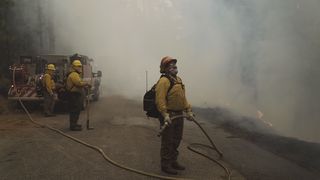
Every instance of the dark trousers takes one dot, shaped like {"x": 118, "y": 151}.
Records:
{"x": 170, "y": 141}
{"x": 75, "y": 107}
{"x": 48, "y": 104}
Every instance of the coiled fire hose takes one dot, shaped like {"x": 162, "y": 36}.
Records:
{"x": 213, "y": 146}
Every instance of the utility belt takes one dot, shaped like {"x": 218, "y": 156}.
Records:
{"x": 73, "y": 95}
{"x": 174, "y": 113}
{"x": 74, "y": 92}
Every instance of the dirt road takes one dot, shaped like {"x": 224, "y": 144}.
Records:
{"x": 128, "y": 137}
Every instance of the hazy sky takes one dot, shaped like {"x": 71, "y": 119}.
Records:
{"x": 246, "y": 55}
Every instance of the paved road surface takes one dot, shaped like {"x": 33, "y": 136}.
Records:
{"x": 122, "y": 131}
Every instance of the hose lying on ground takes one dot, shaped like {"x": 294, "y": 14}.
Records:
{"x": 108, "y": 159}
{"x": 213, "y": 146}
{"x": 96, "y": 148}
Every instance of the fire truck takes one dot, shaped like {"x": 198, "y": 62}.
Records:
{"x": 28, "y": 73}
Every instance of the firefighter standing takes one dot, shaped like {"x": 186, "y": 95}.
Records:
{"x": 169, "y": 104}
{"x": 48, "y": 90}
{"x": 75, "y": 86}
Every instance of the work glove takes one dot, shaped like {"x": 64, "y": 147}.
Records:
{"x": 56, "y": 96}
{"x": 167, "y": 119}
{"x": 87, "y": 87}
{"x": 190, "y": 116}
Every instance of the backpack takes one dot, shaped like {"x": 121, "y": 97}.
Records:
{"x": 39, "y": 84}
{"x": 149, "y": 100}
{"x": 64, "y": 93}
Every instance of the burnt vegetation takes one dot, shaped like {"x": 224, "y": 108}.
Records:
{"x": 306, "y": 154}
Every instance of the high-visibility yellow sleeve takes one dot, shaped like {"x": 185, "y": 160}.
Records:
{"x": 48, "y": 83}
{"x": 162, "y": 88}
{"x": 188, "y": 106}
{"x": 76, "y": 80}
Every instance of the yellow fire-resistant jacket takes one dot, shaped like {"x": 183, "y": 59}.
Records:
{"x": 175, "y": 99}
{"x": 48, "y": 83}
{"x": 74, "y": 82}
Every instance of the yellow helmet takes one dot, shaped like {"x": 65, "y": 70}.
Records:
{"x": 76, "y": 63}
{"x": 51, "y": 67}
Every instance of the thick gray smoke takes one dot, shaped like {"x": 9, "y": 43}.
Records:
{"x": 246, "y": 55}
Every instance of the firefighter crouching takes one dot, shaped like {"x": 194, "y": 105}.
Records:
{"x": 75, "y": 86}
{"x": 48, "y": 90}
{"x": 171, "y": 104}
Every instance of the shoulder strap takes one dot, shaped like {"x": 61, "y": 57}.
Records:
{"x": 43, "y": 80}
{"x": 171, "y": 82}
{"x": 67, "y": 80}
{"x": 180, "y": 82}
{"x": 70, "y": 73}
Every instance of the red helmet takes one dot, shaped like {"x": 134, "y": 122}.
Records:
{"x": 165, "y": 61}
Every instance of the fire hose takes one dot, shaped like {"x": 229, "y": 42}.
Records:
{"x": 96, "y": 148}
{"x": 213, "y": 146}
{"x": 108, "y": 159}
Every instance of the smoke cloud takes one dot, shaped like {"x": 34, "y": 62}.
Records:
{"x": 245, "y": 55}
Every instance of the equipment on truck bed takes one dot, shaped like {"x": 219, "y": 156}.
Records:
{"x": 27, "y": 76}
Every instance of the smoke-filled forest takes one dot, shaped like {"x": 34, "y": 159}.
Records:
{"x": 255, "y": 58}
{"x": 76, "y": 96}
{"x": 24, "y": 30}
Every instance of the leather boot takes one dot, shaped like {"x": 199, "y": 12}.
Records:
{"x": 73, "y": 123}
{"x": 76, "y": 128}
{"x": 169, "y": 170}
{"x": 177, "y": 166}
{"x": 49, "y": 115}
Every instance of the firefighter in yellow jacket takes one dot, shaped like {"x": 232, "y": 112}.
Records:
{"x": 169, "y": 104}
{"x": 75, "y": 86}
{"x": 48, "y": 90}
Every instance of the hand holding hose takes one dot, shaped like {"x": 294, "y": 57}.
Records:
{"x": 88, "y": 86}
{"x": 190, "y": 116}
{"x": 167, "y": 122}
{"x": 167, "y": 119}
